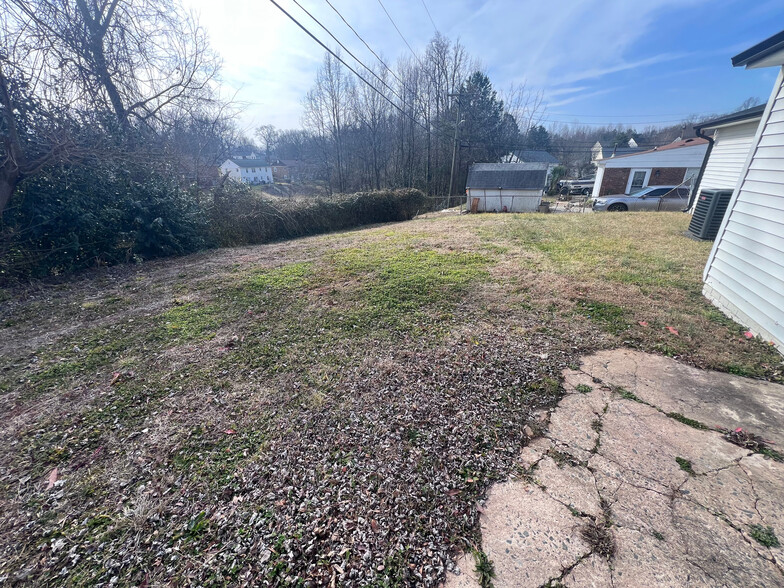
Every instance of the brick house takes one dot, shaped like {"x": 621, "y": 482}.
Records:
{"x": 670, "y": 164}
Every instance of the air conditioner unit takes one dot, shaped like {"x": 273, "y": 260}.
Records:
{"x": 708, "y": 213}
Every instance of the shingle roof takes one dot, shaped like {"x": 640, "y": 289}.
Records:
{"x": 674, "y": 145}
{"x": 249, "y": 162}
{"x": 507, "y": 176}
{"x": 532, "y": 156}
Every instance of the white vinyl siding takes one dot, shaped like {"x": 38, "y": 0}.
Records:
{"x": 515, "y": 200}
{"x": 729, "y": 154}
{"x": 745, "y": 273}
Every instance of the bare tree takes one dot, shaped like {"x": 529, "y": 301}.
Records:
{"x": 268, "y": 135}
{"x": 122, "y": 67}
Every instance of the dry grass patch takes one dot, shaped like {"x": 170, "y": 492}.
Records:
{"x": 324, "y": 410}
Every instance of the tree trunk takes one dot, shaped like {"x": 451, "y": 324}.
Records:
{"x": 7, "y": 187}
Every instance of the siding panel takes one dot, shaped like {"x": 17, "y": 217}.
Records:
{"x": 745, "y": 273}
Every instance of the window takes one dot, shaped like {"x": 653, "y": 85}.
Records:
{"x": 679, "y": 193}
{"x": 658, "y": 192}
{"x": 638, "y": 178}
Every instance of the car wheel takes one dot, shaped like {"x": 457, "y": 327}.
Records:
{"x": 564, "y": 191}
{"x": 617, "y": 207}
{"x": 586, "y": 191}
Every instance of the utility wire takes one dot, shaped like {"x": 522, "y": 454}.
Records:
{"x": 353, "y": 30}
{"x": 398, "y": 30}
{"x": 347, "y": 50}
{"x": 336, "y": 56}
{"x": 430, "y": 17}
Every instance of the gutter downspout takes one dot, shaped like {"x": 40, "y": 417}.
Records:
{"x": 698, "y": 180}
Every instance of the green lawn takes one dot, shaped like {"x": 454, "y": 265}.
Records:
{"x": 323, "y": 409}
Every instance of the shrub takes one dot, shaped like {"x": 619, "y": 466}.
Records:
{"x": 69, "y": 218}
{"x": 240, "y": 216}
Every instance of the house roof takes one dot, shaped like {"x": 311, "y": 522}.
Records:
{"x": 533, "y": 156}
{"x": 249, "y": 162}
{"x": 507, "y": 176}
{"x": 674, "y": 145}
{"x": 743, "y": 115}
{"x": 752, "y": 56}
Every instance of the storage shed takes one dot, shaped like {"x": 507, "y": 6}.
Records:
{"x": 661, "y": 166}
{"x": 744, "y": 275}
{"x": 731, "y": 139}
{"x": 506, "y": 187}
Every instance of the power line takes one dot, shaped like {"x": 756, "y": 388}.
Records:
{"x": 347, "y": 50}
{"x": 430, "y": 17}
{"x": 398, "y": 30}
{"x": 364, "y": 42}
{"x": 336, "y": 56}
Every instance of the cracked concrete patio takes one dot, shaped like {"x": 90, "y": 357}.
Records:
{"x": 678, "y": 505}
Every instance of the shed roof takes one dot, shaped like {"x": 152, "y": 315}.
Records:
{"x": 743, "y": 115}
{"x": 534, "y": 156}
{"x": 507, "y": 176}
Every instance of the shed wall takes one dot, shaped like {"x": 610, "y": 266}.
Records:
{"x": 745, "y": 272}
{"x": 514, "y": 200}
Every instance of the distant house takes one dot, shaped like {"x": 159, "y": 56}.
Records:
{"x": 744, "y": 275}
{"x": 506, "y": 187}
{"x": 731, "y": 139}
{"x": 280, "y": 171}
{"x": 670, "y": 164}
{"x": 598, "y": 151}
{"x": 249, "y": 171}
{"x": 244, "y": 152}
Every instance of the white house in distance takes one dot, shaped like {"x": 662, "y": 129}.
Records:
{"x": 249, "y": 171}
{"x": 506, "y": 187}
{"x": 744, "y": 275}
{"x": 669, "y": 165}
{"x": 730, "y": 137}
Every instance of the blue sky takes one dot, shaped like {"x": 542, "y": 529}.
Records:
{"x": 595, "y": 61}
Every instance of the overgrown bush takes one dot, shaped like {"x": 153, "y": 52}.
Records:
{"x": 69, "y": 218}
{"x": 240, "y": 216}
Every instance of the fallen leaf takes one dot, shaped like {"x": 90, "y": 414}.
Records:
{"x": 672, "y": 330}
{"x": 115, "y": 378}
{"x": 374, "y": 525}
{"x": 642, "y": 323}
{"x": 453, "y": 492}
{"x": 230, "y": 431}
{"x": 748, "y": 335}
{"x": 52, "y": 479}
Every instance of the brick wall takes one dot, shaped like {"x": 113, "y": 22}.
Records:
{"x": 616, "y": 178}
{"x": 667, "y": 176}
{"x": 614, "y": 181}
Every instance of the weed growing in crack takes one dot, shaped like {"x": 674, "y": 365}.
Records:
{"x": 484, "y": 569}
{"x": 764, "y": 535}
{"x": 626, "y": 395}
{"x": 561, "y": 458}
{"x": 687, "y": 421}
{"x": 657, "y": 535}
{"x": 596, "y": 425}
{"x": 583, "y": 388}
{"x": 599, "y": 537}
{"x": 685, "y": 465}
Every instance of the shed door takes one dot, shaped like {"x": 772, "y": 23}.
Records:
{"x": 638, "y": 179}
